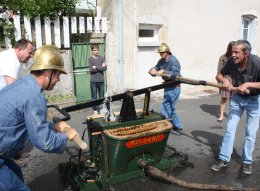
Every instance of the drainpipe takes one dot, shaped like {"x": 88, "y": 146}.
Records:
{"x": 121, "y": 51}
{"x": 134, "y": 44}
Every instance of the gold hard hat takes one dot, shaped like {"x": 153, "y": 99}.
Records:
{"x": 163, "y": 48}
{"x": 48, "y": 57}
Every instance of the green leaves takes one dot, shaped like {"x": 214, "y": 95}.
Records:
{"x": 35, "y": 8}
{"x": 6, "y": 30}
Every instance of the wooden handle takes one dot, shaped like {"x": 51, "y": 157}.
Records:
{"x": 76, "y": 139}
{"x": 83, "y": 145}
{"x": 200, "y": 82}
{"x": 233, "y": 89}
{"x": 96, "y": 133}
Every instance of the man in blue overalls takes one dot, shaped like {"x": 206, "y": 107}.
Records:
{"x": 23, "y": 117}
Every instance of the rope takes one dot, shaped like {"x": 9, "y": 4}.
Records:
{"x": 139, "y": 130}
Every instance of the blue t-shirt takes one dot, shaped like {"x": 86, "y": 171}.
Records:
{"x": 170, "y": 66}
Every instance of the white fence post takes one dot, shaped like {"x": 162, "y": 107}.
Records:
{"x": 47, "y": 29}
{"x": 28, "y": 28}
{"x": 66, "y": 32}
{"x": 97, "y": 25}
{"x": 38, "y": 32}
{"x": 73, "y": 25}
{"x": 89, "y": 24}
{"x": 57, "y": 32}
{"x": 104, "y": 24}
{"x": 17, "y": 25}
{"x": 84, "y": 24}
{"x": 81, "y": 25}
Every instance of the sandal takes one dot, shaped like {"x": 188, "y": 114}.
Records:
{"x": 220, "y": 119}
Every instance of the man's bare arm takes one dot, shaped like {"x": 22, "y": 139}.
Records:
{"x": 227, "y": 85}
{"x": 248, "y": 85}
{"x": 9, "y": 80}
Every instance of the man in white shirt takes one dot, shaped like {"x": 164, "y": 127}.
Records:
{"x": 9, "y": 67}
{"x": 10, "y": 61}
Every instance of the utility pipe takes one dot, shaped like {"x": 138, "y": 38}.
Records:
{"x": 121, "y": 51}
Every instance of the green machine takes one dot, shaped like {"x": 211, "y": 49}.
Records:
{"x": 118, "y": 146}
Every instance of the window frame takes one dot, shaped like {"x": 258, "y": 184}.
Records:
{"x": 250, "y": 29}
{"x": 154, "y": 28}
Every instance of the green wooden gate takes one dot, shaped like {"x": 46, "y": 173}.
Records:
{"x": 80, "y": 54}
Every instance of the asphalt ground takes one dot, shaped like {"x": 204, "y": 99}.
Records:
{"x": 200, "y": 141}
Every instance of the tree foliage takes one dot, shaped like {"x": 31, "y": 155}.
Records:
{"x": 35, "y": 8}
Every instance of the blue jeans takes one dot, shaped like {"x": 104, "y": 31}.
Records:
{"x": 168, "y": 107}
{"x": 11, "y": 177}
{"x": 97, "y": 91}
{"x": 238, "y": 104}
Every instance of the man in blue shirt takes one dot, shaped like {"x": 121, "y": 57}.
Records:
{"x": 23, "y": 109}
{"x": 169, "y": 64}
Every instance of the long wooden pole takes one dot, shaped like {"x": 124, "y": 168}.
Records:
{"x": 199, "y": 82}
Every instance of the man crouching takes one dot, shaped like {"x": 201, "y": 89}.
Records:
{"x": 23, "y": 109}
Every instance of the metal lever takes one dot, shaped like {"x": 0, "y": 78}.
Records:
{"x": 62, "y": 111}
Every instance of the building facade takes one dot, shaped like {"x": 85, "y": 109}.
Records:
{"x": 197, "y": 32}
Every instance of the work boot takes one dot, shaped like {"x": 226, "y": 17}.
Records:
{"x": 218, "y": 165}
{"x": 246, "y": 168}
{"x": 21, "y": 162}
{"x": 176, "y": 129}
{"x": 22, "y": 155}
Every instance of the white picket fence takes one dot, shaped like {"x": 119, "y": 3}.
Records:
{"x": 48, "y": 33}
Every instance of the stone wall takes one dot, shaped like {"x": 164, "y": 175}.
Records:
{"x": 66, "y": 85}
